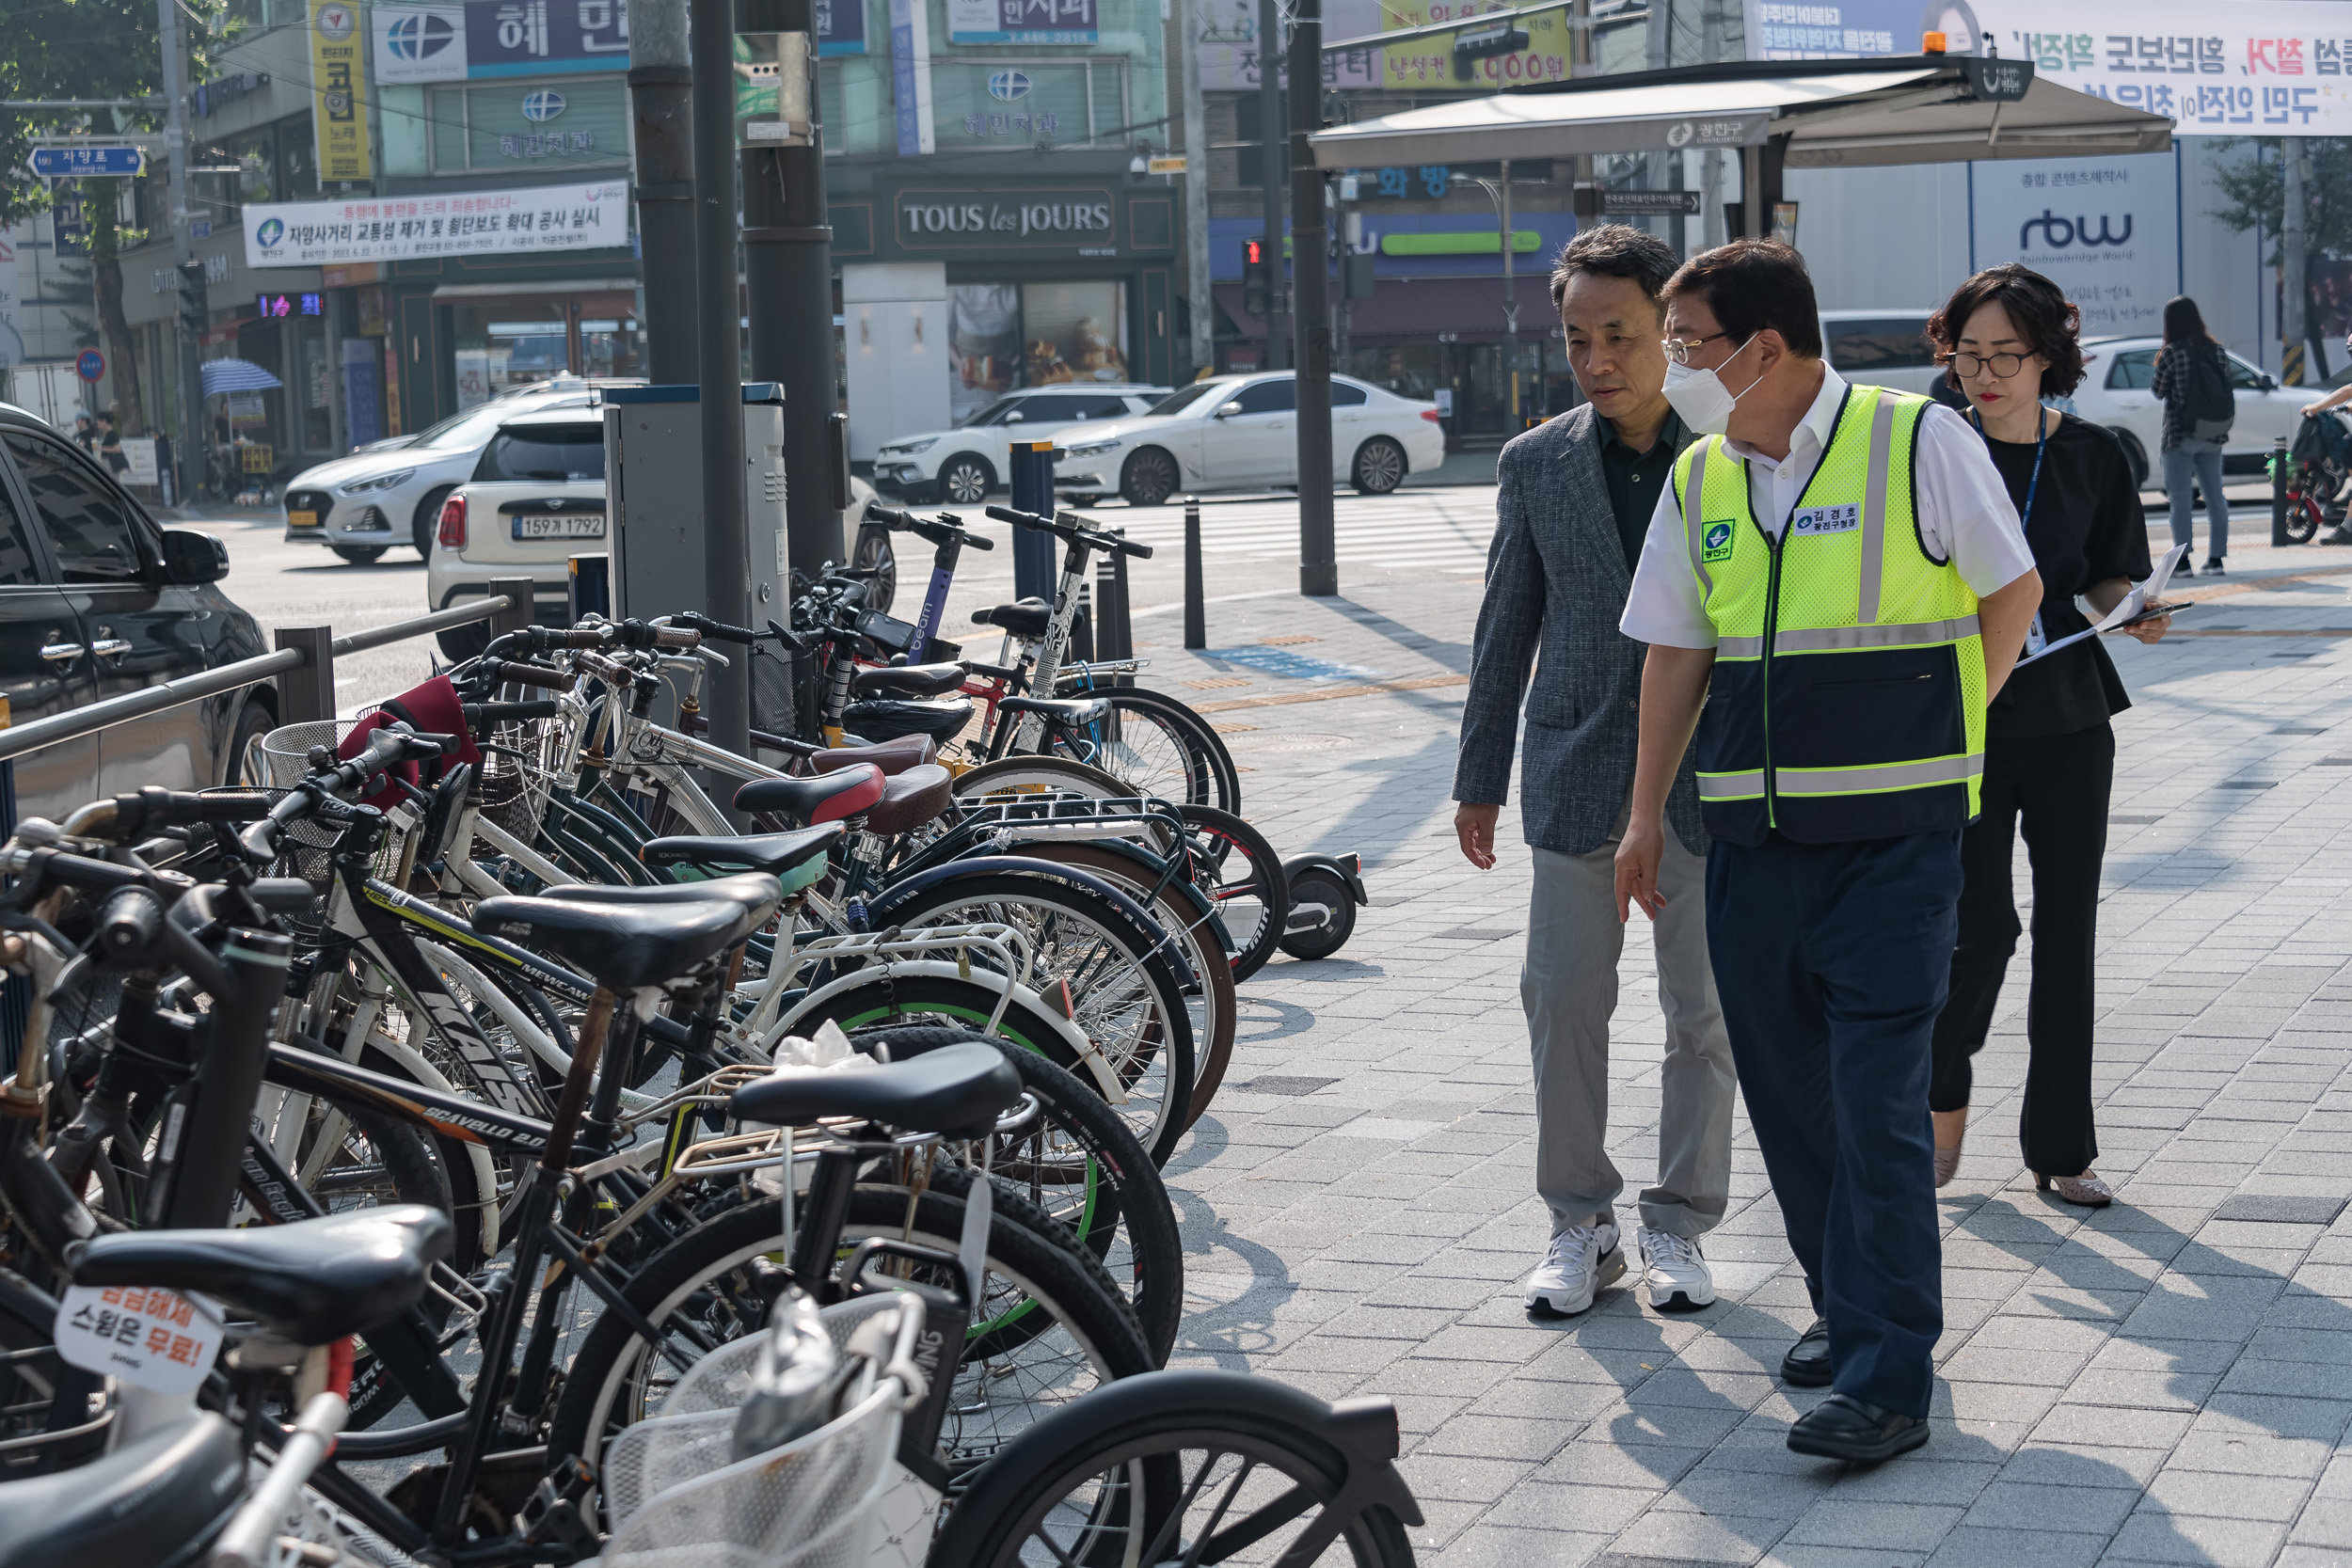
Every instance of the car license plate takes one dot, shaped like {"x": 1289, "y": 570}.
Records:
{"x": 582, "y": 527}
{"x": 302, "y": 519}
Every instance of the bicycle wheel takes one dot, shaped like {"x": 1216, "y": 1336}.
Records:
{"x": 1188, "y": 917}
{"x": 1237, "y": 868}
{"x": 1081, "y": 1165}
{"x": 708, "y": 1283}
{"x": 1236, "y": 1469}
{"x": 1095, "y": 953}
{"x": 1158, "y": 747}
{"x": 1014, "y": 778}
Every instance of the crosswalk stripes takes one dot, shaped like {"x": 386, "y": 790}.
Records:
{"x": 1432, "y": 528}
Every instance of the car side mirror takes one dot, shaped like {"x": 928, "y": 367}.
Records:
{"x": 1228, "y": 411}
{"x": 2268, "y": 382}
{"x": 191, "y": 558}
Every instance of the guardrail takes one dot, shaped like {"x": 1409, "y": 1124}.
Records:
{"x": 303, "y": 666}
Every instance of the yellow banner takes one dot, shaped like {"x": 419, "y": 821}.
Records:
{"x": 339, "y": 87}
{"x": 1428, "y": 62}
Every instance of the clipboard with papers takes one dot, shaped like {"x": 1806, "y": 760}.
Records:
{"x": 2131, "y": 609}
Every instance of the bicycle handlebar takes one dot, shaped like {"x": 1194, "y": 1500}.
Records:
{"x": 490, "y": 673}
{"x": 482, "y": 716}
{"x": 696, "y": 621}
{"x": 1093, "y": 538}
{"x": 938, "y": 530}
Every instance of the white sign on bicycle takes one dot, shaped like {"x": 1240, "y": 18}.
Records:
{"x": 151, "y": 1337}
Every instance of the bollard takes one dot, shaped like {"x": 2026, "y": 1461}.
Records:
{"x": 306, "y": 695}
{"x": 2278, "y": 493}
{"x": 1114, "y": 636}
{"x": 1032, "y": 482}
{"x": 1196, "y": 611}
{"x": 590, "y": 585}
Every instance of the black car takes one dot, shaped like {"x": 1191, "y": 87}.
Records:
{"x": 97, "y": 600}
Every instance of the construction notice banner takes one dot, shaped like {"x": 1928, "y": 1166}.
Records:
{"x": 405, "y": 228}
{"x": 2251, "y": 68}
{"x": 337, "y": 86}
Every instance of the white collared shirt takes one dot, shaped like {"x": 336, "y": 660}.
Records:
{"x": 1966, "y": 516}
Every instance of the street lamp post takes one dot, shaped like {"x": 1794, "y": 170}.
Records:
{"x": 1499, "y": 192}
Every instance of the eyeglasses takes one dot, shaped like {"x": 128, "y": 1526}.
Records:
{"x": 1678, "y": 349}
{"x": 2003, "y": 366}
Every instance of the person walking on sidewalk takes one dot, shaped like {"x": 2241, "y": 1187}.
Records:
{"x": 2193, "y": 383}
{"x": 1574, "y": 500}
{"x": 1837, "y": 577}
{"x": 2011, "y": 339}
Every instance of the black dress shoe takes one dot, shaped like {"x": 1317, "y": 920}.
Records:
{"x": 1806, "y": 1365}
{"x": 1843, "y": 1427}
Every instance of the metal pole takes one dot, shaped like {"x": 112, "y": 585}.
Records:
{"x": 1196, "y": 609}
{"x": 1271, "y": 164}
{"x": 1196, "y": 128}
{"x": 2277, "y": 494}
{"x": 787, "y": 265}
{"x": 183, "y": 447}
{"x": 307, "y": 695}
{"x": 718, "y": 348}
{"x": 1318, "y": 564}
{"x": 662, "y": 100}
{"x": 1510, "y": 292}
{"x": 2294, "y": 254}
{"x": 1712, "y": 162}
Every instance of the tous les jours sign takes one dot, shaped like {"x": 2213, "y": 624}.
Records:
{"x": 929, "y": 219}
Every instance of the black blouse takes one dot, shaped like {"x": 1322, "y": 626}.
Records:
{"x": 2087, "y": 527}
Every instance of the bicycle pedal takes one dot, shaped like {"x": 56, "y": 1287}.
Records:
{"x": 553, "y": 1515}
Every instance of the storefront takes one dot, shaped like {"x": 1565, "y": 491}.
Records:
{"x": 1030, "y": 282}
{"x": 461, "y": 330}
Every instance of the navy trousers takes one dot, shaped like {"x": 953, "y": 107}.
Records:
{"x": 1832, "y": 961}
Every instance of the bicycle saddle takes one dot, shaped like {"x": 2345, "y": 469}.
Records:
{"x": 312, "y": 1281}
{"x": 753, "y": 890}
{"x": 622, "y": 945}
{"x": 889, "y": 718}
{"x": 891, "y": 756}
{"x": 1060, "y": 710}
{"x": 910, "y": 800}
{"x": 1023, "y": 618}
{"x": 771, "y": 856}
{"x": 955, "y": 1091}
{"x": 907, "y": 680}
{"x": 826, "y": 798}
{"x": 147, "y": 1501}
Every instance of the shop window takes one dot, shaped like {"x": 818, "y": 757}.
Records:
{"x": 610, "y": 345}
{"x": 512, "y": 127}
{"x": 504, "y": 346}
{"x": 1007, "y": 336}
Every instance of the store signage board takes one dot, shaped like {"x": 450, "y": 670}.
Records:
{"x": 967, "y": 219}
{"x": 2104, "y": 230}
{"x": 1230, "y": 53}
{"x": 840, "y": 27}
{"x": 87, "y": 161}
{"x": 499, "y": 38}
{"x": 339, "y": 87}
{"x": 543, "y": 218}
{"x": 1022, "y": 21}
{"x": 2251, "y": 68}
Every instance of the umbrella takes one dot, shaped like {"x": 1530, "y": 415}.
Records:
{"x": 237, "y": 375}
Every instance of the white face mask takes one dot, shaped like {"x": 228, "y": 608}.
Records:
{"x": 1701, "y": 399}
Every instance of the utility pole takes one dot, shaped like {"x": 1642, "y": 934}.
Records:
{"x": 787, "y": 271}
{"x": 1510, "y": 292}
{"x": 1196, "y": 124}
{"x": 1271, "y": 163}
{"x": 2294, "y": 334}
{"x": 719, "y": 350}
{"x": 1310, "y": 227}
{"x": 1712, "y": 161}
{"x": 662, "y": 100}
{"x": 185, "y": 347}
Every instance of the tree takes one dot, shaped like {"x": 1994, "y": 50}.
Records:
{"x": 89, "y": 49}
{"x": 2255, "y": 188}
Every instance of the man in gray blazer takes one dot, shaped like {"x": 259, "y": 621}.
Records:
{"x": 1574, "y": 505}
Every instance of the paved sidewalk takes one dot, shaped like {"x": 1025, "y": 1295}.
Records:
{"x": 2167, "y": 1381}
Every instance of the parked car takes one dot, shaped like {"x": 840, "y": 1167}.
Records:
{"x": 1241, "y": 433}
{"x": 535, "y": 500}
{"x": 2117, "y": 392}
{"x": 962, "y": 465}
{"x": 1881, "y": 348}
{"x": 364, "y": 504}
{"x": 95, "y": 601}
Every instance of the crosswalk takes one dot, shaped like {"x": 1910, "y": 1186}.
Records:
{"x": 1443, "y": 528}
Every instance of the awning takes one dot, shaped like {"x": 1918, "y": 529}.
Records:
{"x": 1833, "y": 113}
{"x": 237, "y": 375}
{"x": 1469, "y": 309}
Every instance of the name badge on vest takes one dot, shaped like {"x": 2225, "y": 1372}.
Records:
{"x": 1826, "y": 520}
{"x": 1715, "y": 541}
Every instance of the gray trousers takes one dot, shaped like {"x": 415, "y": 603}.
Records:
{"x": 1569, "y": 989}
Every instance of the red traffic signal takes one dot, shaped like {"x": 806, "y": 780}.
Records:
{"x": 1253, "y": 252}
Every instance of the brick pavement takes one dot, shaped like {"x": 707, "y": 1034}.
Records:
{"x": 2167, "y": 1381}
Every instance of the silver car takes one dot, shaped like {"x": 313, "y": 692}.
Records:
{"x": 366, "y": 504}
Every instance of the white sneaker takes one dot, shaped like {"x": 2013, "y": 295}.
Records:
{"x": 1580, "y": 1260}
{"x": 1679, "y": 1279}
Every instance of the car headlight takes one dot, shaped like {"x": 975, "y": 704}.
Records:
{"x": 907, "y": 449}
{"x": 382, "y": 482}
{"x": 1093, "y": 449}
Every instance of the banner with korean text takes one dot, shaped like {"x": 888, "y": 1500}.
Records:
{"x": 406, "y": 228}
{"x": 339, "y": 83}
{"x": 2247, "y": 68}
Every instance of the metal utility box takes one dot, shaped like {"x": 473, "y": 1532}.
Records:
{"x": 653, "y": 459}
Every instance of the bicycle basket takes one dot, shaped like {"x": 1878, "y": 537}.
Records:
{"x": 517, "y": 777}
{"x": 809, "y": 1504}
{"x": 311, "y": 843}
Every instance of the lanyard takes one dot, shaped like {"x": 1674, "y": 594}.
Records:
{"x": 2040, "y": 441}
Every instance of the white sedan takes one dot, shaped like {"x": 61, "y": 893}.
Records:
{"x": 1241, "y": 433}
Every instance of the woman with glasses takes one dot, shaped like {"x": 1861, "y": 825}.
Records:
{"x": 2008, "y": 336}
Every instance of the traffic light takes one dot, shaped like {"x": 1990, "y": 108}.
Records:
{"x": 1255, "y": 277}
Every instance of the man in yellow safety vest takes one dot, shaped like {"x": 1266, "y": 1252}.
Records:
{"x": 1839, "y": 579}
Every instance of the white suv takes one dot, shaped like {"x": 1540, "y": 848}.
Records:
{"x": 962, "y": 465}
{"x": 535, "y": 498}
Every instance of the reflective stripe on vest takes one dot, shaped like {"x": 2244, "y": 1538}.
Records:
{"x": 1847, "y": 699}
